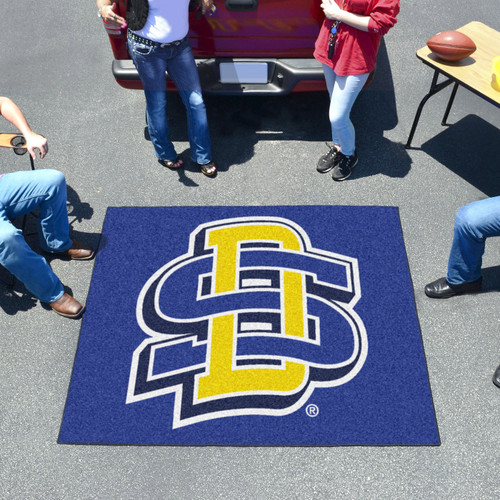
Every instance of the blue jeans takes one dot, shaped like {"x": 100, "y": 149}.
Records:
{"x": 473, "y": 224}
{"x": 343, "y": 92}
{"x": 21, "y": 193}
{"x": 151, "y": 63}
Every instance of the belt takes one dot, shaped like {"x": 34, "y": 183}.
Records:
{"x": 147, "y": 41}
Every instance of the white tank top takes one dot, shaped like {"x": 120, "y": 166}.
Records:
{"x": 168, "y": 21}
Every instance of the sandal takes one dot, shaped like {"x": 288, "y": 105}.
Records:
{"x": 209, "y": 169}
{"x": 175, "y": 164}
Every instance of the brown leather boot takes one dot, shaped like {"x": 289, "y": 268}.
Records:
{"x": 67, "y": 306}
{"x": 79, "y": 251}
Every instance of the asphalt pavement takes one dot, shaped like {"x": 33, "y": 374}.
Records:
{"x": 55, "y": 63}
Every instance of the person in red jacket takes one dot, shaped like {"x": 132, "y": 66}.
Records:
{"x": 347, "y": 47}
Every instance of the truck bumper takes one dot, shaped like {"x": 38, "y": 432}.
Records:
{"x": 283, "y": 76}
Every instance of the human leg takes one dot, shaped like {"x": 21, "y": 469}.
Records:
{"x": 345, "y": 90}
{"x": 20, "y": 193}
{"x": 332, "y": 157}
{"x": 23, "y": 192}
{"x": 474, "y": 223}
{"x": 183, "y": 71}
{"x": 151, "y": 65}
{"x": 26, "y": 265}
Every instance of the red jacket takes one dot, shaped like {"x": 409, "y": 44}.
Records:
{"x": 356, "y": 50}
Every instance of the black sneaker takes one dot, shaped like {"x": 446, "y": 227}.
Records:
{"x": 344, "y": 167}
{"x": 328, "y": 161}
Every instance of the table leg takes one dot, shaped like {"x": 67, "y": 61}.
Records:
{"x": 435, "y": 88}
{"x": 450, "y": 104}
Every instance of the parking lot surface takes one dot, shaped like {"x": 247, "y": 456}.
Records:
{"x": 56, "y": 65}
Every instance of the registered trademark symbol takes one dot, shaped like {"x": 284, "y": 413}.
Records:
{"x": 312, "y": 411}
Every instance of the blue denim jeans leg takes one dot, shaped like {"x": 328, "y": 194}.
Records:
{"x": 21, "y": 193}
{"x": 151, "y": 63}
{"x": 474, "y": 223}
{"x": 343, "y": 92}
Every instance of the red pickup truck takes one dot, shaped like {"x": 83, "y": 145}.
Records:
{"x": 247, "y": 47}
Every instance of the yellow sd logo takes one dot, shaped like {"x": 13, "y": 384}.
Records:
{"x": 251, "y": 320}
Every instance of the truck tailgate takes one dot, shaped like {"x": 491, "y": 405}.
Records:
{"x": 245, "y": 47}
{"x": 258, "y": 28}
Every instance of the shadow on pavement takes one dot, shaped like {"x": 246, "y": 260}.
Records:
{"x": 373, "y": 113}
{"x": 238, "y": 123}
{"x": 491, "y": 279}
{"x": 14, "y": 300}
{"x": 469, "y": 148}
{"x": 78, "y": 210}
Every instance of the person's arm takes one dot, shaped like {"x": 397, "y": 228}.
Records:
{"x": 381, "y": 19}
{"x": 334, "y": 12}
{"x": 14, "y": 115}
{"x": 206, "y": 5}
{"x": 107, "y": 11}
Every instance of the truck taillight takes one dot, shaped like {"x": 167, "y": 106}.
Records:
{"x": 111, "y": 31}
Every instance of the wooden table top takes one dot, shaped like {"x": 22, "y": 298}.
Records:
{"x": 475, "y": 71}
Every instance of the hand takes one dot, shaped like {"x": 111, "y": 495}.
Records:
{"x": 110, "y": 17}
{"x": 36, "y": 141}
{"x": 332, "y": 10}
{"x": 206, "y": 5}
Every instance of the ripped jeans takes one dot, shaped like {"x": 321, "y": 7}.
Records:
{"x": 151, "y": 63}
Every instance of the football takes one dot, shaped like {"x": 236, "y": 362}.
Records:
{"x": 451, "y": 45}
